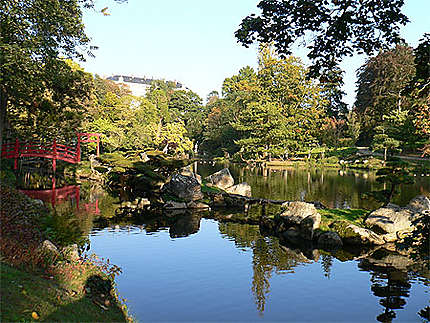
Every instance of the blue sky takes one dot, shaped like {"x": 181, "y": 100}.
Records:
{"x": 192, "y": 41}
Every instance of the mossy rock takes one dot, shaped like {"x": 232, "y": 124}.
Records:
{"x": 341, "y": 227}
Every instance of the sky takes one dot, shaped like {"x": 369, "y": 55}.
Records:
{"x": 192, "y": 41}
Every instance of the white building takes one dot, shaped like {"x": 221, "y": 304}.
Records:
{"x": 139, "y": 85}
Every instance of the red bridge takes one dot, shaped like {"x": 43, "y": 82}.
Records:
{"x": 52, "y": 151}
{"x": 57, "y": 195}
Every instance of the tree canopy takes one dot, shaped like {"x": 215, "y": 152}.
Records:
{"x": 330, "y": 29}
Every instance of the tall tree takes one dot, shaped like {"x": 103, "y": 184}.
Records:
{"x": 331, "y": 29}
{"x": 419, "y": 89}
{"x": 381, "y": 83}
{"x": 285, "y": 110}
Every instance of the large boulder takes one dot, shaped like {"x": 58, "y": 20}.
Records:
{"x": 240, "y": 189}
{"x": 184, "y": 187}
{"x": 301, "y": 214}
{"x": 221, "y": 179}
{"x": 296, "y": 212}
{"x": 394, "y": 219}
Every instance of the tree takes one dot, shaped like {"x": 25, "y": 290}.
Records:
{"x": 282, "y": 110}
{"x": 381, "y": 83}
{"x": 332, "y": 83}
{"x": 419, "y": 89}
{"x": 353, "y": 126}
{"x": 389, "y": 134}
{"x": 58, "y": 111}
{"x": 33, "y": 35}
{"x": 35, "y": 38}
{"x": 332, "y": 29}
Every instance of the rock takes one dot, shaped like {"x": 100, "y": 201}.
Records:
{"x": 221, "y": 179}
{"x": 354, "y": 235}
{"x": 218, "y": 200}
{"x": 390, "y": 237}
{"x": 243, "y": 189}
{"x": 330, "y": 240}
{"x": 418, "y": 204}
{"x": 184, "y": 187}
{"x": 198, "y": 205}
{"x": 281, "y": 228}
{"x": 47, "y": 248}
{"x": 292, "y": 235}
{"x": 295, "y": 212}
{"x": 172, "y": 205}
{"x": 187, "y": 171}
{"x": 71, "y": 252}
{"x": 390, "y": 219}
{"x": 395, "y": 219}
{"x": 307, "y": 226}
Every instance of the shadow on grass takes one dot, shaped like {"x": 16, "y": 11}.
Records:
{"x": 97, "y": 305}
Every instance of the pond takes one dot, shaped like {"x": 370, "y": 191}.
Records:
{"x": 229, "y": 272}
{"x": 191, "y": 267}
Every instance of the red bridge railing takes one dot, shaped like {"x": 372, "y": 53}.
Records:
{"x": 54, "y": 151}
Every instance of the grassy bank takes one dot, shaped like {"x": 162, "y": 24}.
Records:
{"x": 27, "y": 297}
{"x": 42, "y": 275}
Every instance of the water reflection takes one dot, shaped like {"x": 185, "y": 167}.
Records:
{"x": 333, "y": 187}
{"x": 390, "y": 273}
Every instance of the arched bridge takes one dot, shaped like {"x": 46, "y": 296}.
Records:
{"x": 16, "y": 150}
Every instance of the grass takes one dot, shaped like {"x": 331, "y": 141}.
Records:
{"x": 353, "y": 216}
{"x": 26, "y": 297}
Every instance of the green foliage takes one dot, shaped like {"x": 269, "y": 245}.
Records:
{"x": 381, "y": 81}
{"x": 393, "y": 175}
{"x": 33, "y": 78}
{"x": 130, "y": 123}
{"x": 278, "y": 109}
{"x": 63, "y": 229}
{"x": 337, "y": 28}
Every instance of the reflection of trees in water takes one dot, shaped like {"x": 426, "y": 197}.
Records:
{"x": 268, "y": 257}
{"x": 326, "y": 263}
{"x": 392, "y": 286}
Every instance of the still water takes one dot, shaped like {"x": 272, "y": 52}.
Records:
{"x": 229, "y": 272}
{"x": 194, "y": 268}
